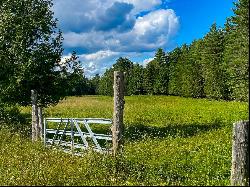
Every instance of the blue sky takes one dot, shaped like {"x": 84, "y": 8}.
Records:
{"x": 100, "y": 31}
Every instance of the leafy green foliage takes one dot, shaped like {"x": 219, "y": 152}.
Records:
{"x": 10, "y": 115}
{"x": 30, "y": 54}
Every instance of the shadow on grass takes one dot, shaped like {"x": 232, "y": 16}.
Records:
{"x": 16, "y": 122}
{"x": 139, "y": 130}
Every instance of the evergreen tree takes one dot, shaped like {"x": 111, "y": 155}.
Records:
{"x": 150, "y": 72}
{"x": 162, "y": 74}
{"x": 184, "y": 71}
{"x": 215, "y": 66}
{"x": 124, "y": 65}
{"x": 83, "y": 86}
{"x": 135, "y": 85}
{"x": 196, "y": 71}
{"x": 236, "y": 54}
{"x": 212, "y": 61}
{"x": 173, "y": 71}
{"x": 105, "y": 86}
{"x": 156, "y": 74}
{"x": 94, "y": 82}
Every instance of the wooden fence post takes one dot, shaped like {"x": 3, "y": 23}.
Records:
{"x": 35, "y": 119}
{"x": 240, "y": 154}
{"x": 40, "y": 124}
{"x": 118, "y": 127}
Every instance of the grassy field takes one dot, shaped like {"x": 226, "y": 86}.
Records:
{"x": 168, "y": 141}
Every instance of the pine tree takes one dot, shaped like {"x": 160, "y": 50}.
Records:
{"x": 196, "y": 71}
{"x": 162, "y": 72}
{"x": 173, "y": 71}
{"x": 135, "y": 85}
{"x": 184, "y": 71}
{"x": 212, "y": 62}
{"x": 236, "y": 54}
{"x": 105, "y": 86}
{"x": 149, "y": 77}
{"x": 94, "y": 82}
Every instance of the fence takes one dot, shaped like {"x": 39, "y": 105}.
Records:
{"x": 117, "y": 127}
{"x": 69, "y": 134}
{"x": 240, "y": 154}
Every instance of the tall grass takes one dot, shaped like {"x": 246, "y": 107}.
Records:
{"x": 168, "y": 141}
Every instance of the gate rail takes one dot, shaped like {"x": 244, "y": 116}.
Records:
{"x": 74, "y": 124}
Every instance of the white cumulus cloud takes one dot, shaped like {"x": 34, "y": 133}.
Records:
{"x": 143, "y": 5}
{"x": 103, "y": 30}
{"x": 149, "y": 32}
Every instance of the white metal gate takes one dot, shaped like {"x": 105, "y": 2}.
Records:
{"x": 68, "y": 134}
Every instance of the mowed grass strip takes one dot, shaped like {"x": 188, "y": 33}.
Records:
{"x": 168, "y": 141}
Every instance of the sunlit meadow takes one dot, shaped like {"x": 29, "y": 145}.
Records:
{"x": 168, "y": 141}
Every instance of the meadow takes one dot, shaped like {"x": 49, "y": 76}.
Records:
{"x": 169, "y": 140}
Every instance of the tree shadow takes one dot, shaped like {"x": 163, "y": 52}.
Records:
{"x": 139, "y": 130}
{"x": 17, "y": 122}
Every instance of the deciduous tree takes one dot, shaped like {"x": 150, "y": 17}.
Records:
{"x": 30, "y": 54}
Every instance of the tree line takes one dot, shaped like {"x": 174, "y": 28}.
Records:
{"x": 215, "y": 66}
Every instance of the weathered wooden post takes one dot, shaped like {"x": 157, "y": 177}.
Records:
{"x": 40, "y": 123}
{"x": 240, "y": 154}
{"x": 118, "y": 126}
{"x": 35, "y": 119}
